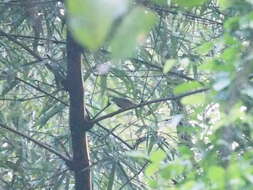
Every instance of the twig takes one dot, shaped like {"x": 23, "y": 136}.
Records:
{"x": 115, "y": 136}
{"x": 35, "y": 38}
{"x": 135, "y": 175}
{"x": 148, "y": 103}
{"x": 39, "y": 89}
{"x": 187, "y": 15}
{"x": 64, "y": 158}
{"x": 35, "y": 55}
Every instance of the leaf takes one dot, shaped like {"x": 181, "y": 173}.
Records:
{"x": 223, "y": 4}
{"x": 122, "y": 75}
{"x": 172, "y": 170}
{"x": 90, "y": 20}
{"x": 50, "y": 113}
{"x": 8, "y": 86}
{"x": 186, "y": 87}
{"x": 217, "y": 65}
{"x": 151, "y": 169}
{"x": 159, "y": 2}
{"x": 112, "y": 176}
{"x": 195, "y": 99}
{"x": 157, "y": 156}
{"x": 190, "y": 185}
{"x": 185, "y": 151}
{"x": 217, "y": 175}
{"x": 103, "y": 84}
{"x": 168, "y": 65}
{"x": 229, "y": 55}
{"x": 132, "y": 32}
{"x": 232, "y": 23}
{"x": 138, "y": 154}
{"x": 190, "y": 3}
{"x": 204, "y": 48}
{"x": 230, "y": 40}
{"x": 153, "y": 183}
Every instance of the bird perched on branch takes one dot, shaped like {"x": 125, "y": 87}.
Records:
{"x": 122, "y": 102}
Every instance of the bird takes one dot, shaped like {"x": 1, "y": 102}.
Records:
{"x": 123, "y": 102}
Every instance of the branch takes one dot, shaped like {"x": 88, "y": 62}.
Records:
{"x": 64, "y": 158}
{"x": 115, "y": 136}
{"x": 154, "y": 66}
{"x": 187, "y": 15}
{"x": 148, "y": 103}
{"x": 40, "y": 90}
{"x": 35, "y": 55}
{"x": 22, "y": 99}
{"x": 34, "y": 38}
{"x": 160, "y": 68}
{"x": 135, "y": 175}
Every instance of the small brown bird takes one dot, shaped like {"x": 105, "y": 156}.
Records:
{"x": 122, "y": 102}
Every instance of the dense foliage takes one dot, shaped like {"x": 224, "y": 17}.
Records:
{"x": 168, "y": 87}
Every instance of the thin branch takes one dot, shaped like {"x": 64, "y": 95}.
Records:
{"x": 148, "y": 103}
{"x": 187, "y": 15}
{"x": 22, "y": 99}
{"x": 135, "y": 175}
{"x": 64, "y": 158}
{"x": 103, "y": 109}
{"x": 9, "y": 37}
{"x": 160, "y": 68}
{"x": 35, "y": 55}
{"x": 40, "y": 90}
{"x": 35, "y": 38}
{"x": 115, "y": 136}
{"x": 154, "y": 66}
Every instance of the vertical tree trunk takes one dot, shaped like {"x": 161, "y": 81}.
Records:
{"x": 78, "y": 122}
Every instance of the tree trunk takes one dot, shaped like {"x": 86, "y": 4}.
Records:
{"x": 78, "y": 122}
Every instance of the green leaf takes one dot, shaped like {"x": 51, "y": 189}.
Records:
{"x": 153, "y": 183}
{"x": 230, "y": 54}
{"x": 232, "y": 23}
{"x": 217, "y": 176}
{"x": 103, "y": 84}
{"x": 234, "y": 170}
{"x": 50, "y": 113}
{"x": 159, "y": 2}
{"x": 151, "y": 169}
{"x": 172, "y": 170}
{"x": 186, "y": 87}
{"x": 185, "y": 151}
{"x": 123, "y": 75}
{"x": 204, "y": 48}
{"x": 190, "y": 185}
{"x": 132, "y": 32}
{"x": 217, "y": 65}
{"x": 138, "y": 155}
{"x": 230, "y": 40}
{"x": 223, "y": 4}
{"x": 90, "y": 20}
{"x": 190, "y": 3}
{"x": 168, "y": 65}
{"x": 157, "y": 156}
{"x": 112, "y": 176}
{"x": 8, "y": 86}
{"x": 195, "y": 99}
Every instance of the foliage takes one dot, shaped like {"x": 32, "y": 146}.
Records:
{"x": 185, "y": 66}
